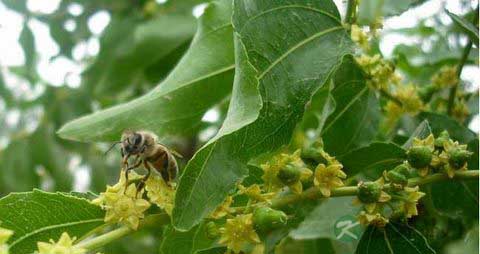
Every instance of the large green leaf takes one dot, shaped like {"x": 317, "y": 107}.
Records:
{"x": 467, "y": 27}
{"x": 202, "y": 78}
{"x": 291, "y": 246}
{"x": 373, "y": 158}
{"x": 322, "y": 221}
{"x": 355, "y": 120}
{"x": 41, "y": 216}
{"x": 175, "y": 242}
{"x": 394, "y": 238}
{"x": 440, "y": 122}
{"x": 290, "y": 48}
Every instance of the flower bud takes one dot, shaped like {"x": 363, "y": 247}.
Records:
{"x": 266, "y": 219}
{"x": 458, "y": 157}
{"x": 369, "y": 192}
{"x": 212, "y": 230}
{"x": 399, "y": 174}
{"x": 419, "y": 156}
{"x": 289, "y": 174}
{"x": 441, "y": 139}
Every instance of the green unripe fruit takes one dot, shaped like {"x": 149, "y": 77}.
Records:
{"x": 441, "y": 139}
{"x": 402, "y": 169}
{"x": 396, "y": 177}
{"x": 419, "y": 156}
{"x": 459, "y": 157}
{"x": 289, "y": 174}
{"x": 212, "y": 230}
{"x": 266, "y": 219}
{"x": 369, "y": 192}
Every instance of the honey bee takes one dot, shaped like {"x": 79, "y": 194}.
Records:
{"x": 146, "y": 150}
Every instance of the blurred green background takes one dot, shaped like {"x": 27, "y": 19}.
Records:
{"x": 61, "y": 59}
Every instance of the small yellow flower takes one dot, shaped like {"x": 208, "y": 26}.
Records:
{"x": 63, "y": 246}
{"x": 445, "y": 77}
{"x": 374, "y": 192}
{"x": 5, "y": 234}
{"x": 453, "y": 148}
{"x": 255, "y": 192}
{"x": 460, "y": 110}
{"x": 161, "y": 194}
{"x": 380, "y": 72}
{"x": 411, "y": 102}
{"x": 223, "y": 209}
{"x": 411, "y": 200}
{"x": 328, "y": 177}
{"x": 271, "y": 169}
{"x": 376, "y": 219}
{"x": 360, "y": 37}
{"x": 239, "y": 231}
{"x": 428, "y": 142}
{"x": 122, "y": 205}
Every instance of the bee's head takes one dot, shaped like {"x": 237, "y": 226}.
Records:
{"x": 132, "y": 143}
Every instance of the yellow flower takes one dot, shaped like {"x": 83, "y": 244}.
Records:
{"x": 372, "y": 192}
{"x": 372, "y": 219}
{"x": 63, "y": 246}
{"x": 445, "y": 77}
{"x": 411, "y": 102}
{"x": 380, "y": 72}
{"x": 393, "y": 112}
{"x": 161, "y": 194}
{"x": 359, "y": 37}
{"x": 328, "y": 177}
{"x": 460, "y": 110}
{"x": 428, "y": 142}
{"x": 122, "y": 205}
{"x": 223, "y": 209}
{"x": 239, "y": 231}
{"x": 254, "y": 192}
{"x": 271, "y": 169}
{"x": 454, "y": 157}
{"x": 5, "y": 234}
{"x": 411, "y": 200}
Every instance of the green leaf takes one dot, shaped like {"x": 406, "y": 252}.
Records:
{"x": 143, "y": 45}
{"x": 322, "y": 221}
{"x": 289, "y": 246}
{"x": 40, "y": 216}
{"x": 356, "y": 117}
{"x": 370, "y": 10}
{"x": 441, "y": 122}
{"x": 373, "y": 159}
{"x": 18, "y": 169}
{"x": 467, "y": 27}
{"x": 201, "y": 79}
{"x": 468, "y": 244}
{"x": 27, "y": 41}
{"x": 421, "y": 132}
{"x": 289, "y": 48}
{"x": 394, "y": 238}
{"x": 185, "y": 242}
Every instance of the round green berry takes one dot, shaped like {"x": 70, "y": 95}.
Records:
{"x": 289, "y": 174}
{"x": 419, "y": 156}
{"x": 458, "y": 157}
{"x": 396, "y": 177}
{"x": 266, "y": 219}
{"x": 369, "y": 192}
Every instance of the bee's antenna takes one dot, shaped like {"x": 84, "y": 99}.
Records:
{"x": 112, "y": 146}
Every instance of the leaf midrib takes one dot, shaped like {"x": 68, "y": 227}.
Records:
{"x": 37, "y": 231}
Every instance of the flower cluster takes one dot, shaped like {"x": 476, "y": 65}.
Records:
{"x": 410, "y": 103}
{"x": 238, "y": 232}
{"x": 440, "y": 154}
{"x": 5, "y": 234}
{"x": 445, "y": 77}
{"x": 285, "y": 170}
{"x": 160, "y": 193}
{"x": 360, "y": 37}
{"x": 122, "y": 203}
{"x": 380, "y": 72}
{"x": 63, "y": 246}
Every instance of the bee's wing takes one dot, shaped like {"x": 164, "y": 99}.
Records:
{"x": 175, "y": 153}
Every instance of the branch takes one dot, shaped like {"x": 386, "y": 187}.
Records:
{"x": 463, "y": 60}
{"x": 351, "y": 15}
{"x": 104, "y": 239}
{"x": 314, "y": 193}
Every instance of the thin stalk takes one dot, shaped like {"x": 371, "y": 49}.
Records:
{"x": 463, "y": 60}
{"x": 314, "y": 193}
{"x": 101, "y": 240}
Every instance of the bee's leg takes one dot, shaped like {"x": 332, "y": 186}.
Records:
{"x": 135, "y": 165}
{"x": 142, "y": 182}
